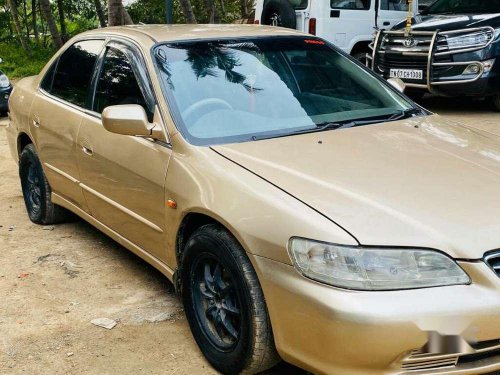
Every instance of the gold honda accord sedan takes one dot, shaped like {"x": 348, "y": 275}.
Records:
{"x": 304, "y": 208}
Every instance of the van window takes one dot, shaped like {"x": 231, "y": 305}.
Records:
{"x": 73, "y": 74}
{"x": 350, "y": 4}
{"x": 299, "y": 4}
{"x": 397, "y": 5}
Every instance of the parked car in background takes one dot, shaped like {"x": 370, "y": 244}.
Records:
{"x": 453, "y": 50}
{"x": 348, "y": 24}
{"x": 303, "y": 208}
{"x": 5, "y": 90}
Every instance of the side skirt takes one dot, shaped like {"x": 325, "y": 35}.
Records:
{"x": 155, "y": 262}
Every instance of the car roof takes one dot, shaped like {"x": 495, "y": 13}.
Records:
{"x": 170, "y": 33}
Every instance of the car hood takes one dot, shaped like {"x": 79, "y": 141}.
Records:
{"x": 445, "y": 22}
{"x": 423, "y": 182}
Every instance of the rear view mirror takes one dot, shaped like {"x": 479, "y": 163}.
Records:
{"x": 130, "y": 119}
{"x": 397, "y": 83}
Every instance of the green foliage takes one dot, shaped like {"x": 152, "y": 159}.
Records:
{"x": 18, "y": 64}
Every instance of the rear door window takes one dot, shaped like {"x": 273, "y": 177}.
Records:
{"x": 72, "y": 77}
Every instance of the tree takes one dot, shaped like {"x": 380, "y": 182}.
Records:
{"x": 49, "y": 18}
{"x": 34, "y": 21}
{"x": 17, "y": 25}
{"x": 100, "y": 13}
{"x": 117, "y": 14}
{"x": 62, "y": 19}
{"x": 187, "y": 10}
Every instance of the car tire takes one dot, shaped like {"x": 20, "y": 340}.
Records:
{"x": 36, "y": 190}
{"x": 495, "y": 102}
{"x": 278, "y": 13}
{"x": 225, "y": 305}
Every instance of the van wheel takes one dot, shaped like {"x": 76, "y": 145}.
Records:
{"x": 225, "y": 305}
{"x": 278, "y": 13}
{"x": 495, "y": 102}
{"x": 36, "y": 190}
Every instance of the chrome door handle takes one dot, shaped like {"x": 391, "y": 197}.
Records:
{"x": 87, "y": 150}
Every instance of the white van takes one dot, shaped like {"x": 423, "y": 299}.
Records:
{"x": 349, "y": 24}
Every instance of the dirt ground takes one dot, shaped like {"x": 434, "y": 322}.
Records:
{"x": 55, "y": 280}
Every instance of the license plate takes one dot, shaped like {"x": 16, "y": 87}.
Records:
{"x": 407, "y": 73}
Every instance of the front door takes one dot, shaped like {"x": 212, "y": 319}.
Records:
{"x": 123, "y": 177}
{"x": 56, "y": 115}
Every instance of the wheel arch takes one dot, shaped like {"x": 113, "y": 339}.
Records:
{"x": 23, "y": 139}
{"x": 189, "y": 224}
{"x": 360, "y": 46}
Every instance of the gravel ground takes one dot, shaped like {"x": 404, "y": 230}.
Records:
{"x": 55, "y": 280}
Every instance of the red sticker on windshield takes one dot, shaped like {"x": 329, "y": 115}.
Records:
{"x": 314, "y": 41}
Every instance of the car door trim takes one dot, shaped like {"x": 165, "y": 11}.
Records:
{"x": 151, "y": 259}
{"x": 123, "y": 209}
{"x": 61, "y": 173}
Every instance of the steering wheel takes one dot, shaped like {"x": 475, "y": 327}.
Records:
{"x": 208, "y": 102}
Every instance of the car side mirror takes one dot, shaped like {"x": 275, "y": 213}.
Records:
{"x": 1, "y": 61}
{"x": 130, "y": 119}
{"x": 398, "y": 84}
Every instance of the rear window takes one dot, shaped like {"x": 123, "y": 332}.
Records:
{"x": 70, "y": 77}
{"x": 299, "y": 4}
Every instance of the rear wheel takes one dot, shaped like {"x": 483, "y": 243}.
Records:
{"x": 225, "y": 305}
{"x": 278, "y": 13}
{"x": 36, "y": 190}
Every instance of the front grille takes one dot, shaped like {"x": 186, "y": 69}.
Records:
{"x": 420, "y": 361}
{"x": 493, "y": 260}
{"x": 392, "y": 53}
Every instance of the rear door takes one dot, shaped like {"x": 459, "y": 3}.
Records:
{"x": 123, "y": 177}
{"x": 56, "y": 114}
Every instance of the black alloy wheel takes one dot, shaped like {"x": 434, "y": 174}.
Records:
{"x": 225, "y": 304}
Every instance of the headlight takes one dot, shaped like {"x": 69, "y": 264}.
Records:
{"x": 4, "y": 81}
{"x": 477, "y": 39}
{"x": 374, "y": 268}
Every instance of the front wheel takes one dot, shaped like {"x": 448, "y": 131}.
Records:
{"x": 495, "y": 102}
{"x": 225, "y": 305}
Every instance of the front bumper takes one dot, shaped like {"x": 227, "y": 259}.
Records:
{"x": 335, "y": 331}
{"x": 442, "y": 68}
{"x": 4, "y": 99}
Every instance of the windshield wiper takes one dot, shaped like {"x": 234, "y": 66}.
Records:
{"x": 404, "y": 114}
{"x": 346, "y": 124}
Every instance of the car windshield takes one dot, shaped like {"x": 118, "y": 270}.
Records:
{"x": 464, "y": 6}
{"x": 240, "y": 90}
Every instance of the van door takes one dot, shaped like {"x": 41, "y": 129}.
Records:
{"x": 347, "y": 22}
{"x": 392, "y": 12}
